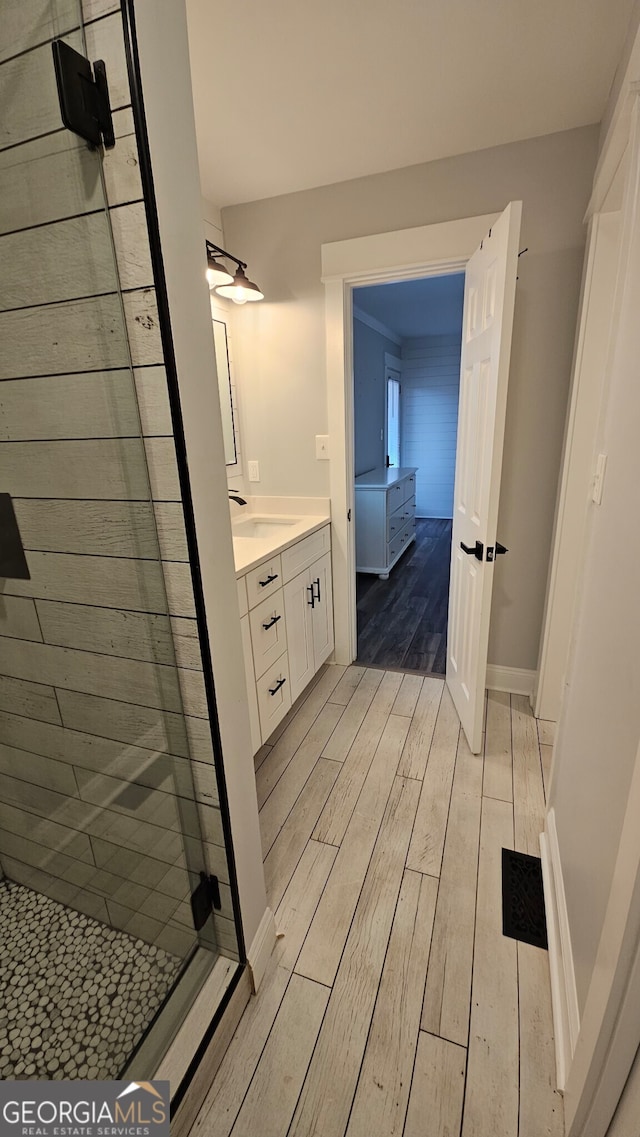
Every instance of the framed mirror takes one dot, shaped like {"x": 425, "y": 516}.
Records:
{"x": 224, "y": 389}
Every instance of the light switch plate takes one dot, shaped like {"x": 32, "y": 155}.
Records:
{"x": 254, "y": 471}
{"x": 322, "y": 445}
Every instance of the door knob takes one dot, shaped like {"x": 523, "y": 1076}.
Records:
{"x": 499, "y": 550}
{"x": 476, "y": 550}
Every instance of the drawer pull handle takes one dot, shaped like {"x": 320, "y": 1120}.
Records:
{"x": 316, "y": 584}
{"x": 272, "y": 621}
{"x": 279, "y": 684}
{"x": 310, "y": 589}
{"x": 264, "y": 583}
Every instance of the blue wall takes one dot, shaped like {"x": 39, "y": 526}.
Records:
{"x": 369, "y": 348}
{"x": 429, "y": 423}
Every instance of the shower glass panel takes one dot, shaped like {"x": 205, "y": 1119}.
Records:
{"x": 109, "y": 806}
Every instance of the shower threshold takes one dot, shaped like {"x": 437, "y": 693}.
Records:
{"x": 77, "y": 995}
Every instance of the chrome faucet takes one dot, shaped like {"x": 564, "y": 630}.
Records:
{"x": 235, "y": 497}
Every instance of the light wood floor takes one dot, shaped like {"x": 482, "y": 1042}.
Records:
{"x": 393, "y": 1004}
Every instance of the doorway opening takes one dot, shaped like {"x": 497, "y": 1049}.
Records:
{"x": 406, "y": 376}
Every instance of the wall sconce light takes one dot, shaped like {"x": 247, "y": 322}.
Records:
{"x": 238, "y": 287}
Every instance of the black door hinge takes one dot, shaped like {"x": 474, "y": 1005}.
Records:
{"x": 84, "y": 95}
{"x": 204, "y": 898}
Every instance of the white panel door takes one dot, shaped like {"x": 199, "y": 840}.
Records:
{"x": 489, "y": 296}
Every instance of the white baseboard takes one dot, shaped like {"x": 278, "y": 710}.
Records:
{"x": 517, "y": 680}
{"x": 564, "y": 995}
{"x": 260, "y": 951}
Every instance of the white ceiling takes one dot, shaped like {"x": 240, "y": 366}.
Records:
{"x": 430, "y": 307}
{"x": 291, "y": 94}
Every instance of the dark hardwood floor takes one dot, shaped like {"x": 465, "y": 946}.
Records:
{"x": 402, "y": 621}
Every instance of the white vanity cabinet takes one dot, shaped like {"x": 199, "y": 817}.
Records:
{"x": 287, "y": 627}
{"x": 385, "y": 502}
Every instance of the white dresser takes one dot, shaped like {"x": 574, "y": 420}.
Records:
{"x": 385, "y": 518}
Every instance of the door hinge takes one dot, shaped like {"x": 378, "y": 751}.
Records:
{"x": 83, "y": 93}
{"x": 204, "y": 898}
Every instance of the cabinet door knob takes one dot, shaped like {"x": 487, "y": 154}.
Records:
{"x": 279, "y": 684}
{"x": 316, "y": 584}
{"x": 312, "y": 601}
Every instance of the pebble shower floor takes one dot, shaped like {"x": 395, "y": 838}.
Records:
{"x": 75, "y": 994}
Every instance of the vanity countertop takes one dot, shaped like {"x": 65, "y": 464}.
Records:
{"x": 384, "y": 477}
{"x": 249, "y": 552}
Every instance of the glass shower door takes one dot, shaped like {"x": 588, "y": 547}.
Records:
{"x": 109, "y": 809}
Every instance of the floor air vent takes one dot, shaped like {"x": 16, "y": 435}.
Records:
{"x": 523, "y": 915}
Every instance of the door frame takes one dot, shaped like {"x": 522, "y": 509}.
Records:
{"x": 384, "y": 258}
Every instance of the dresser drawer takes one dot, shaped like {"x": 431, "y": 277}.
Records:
{"x": 400, "y": 540}
{"x": 409, "y": 487}
{"x": 395, "y": 497}
{"x": 408, "y": 510}
{"x": 264, "y": 581}
{"x": 296, "y": 559}
{"x": 274, "y": 696}
{"x": 408, "y": 532}
{"x": 395, "y": 523}
{"x": 399, "y": 519}
{"x": 268, "y": 632}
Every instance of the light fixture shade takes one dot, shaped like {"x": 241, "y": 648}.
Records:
{"x": 241, "y": 290}
{"x": 217, "y": 274}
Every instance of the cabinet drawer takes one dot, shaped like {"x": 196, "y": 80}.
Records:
{"x": 268, "y": 632}
{"x": 395, "y": 497}
{"x": 242, "y": 597}
{"x": 264, "y": 581}
{"x": 305, "y": 552}
{"x": 274, "y": 696}
{"x": 409, "y": 487}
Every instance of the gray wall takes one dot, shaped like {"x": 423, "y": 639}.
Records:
{"x": 97, "y": 761}
{"x": 280, "y": 347}
{"x": 369, "y": 347}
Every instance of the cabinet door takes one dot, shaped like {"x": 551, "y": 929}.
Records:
{"x": 252, "y": 700}
{"x": 297, "y": 607}
{"x": 322, "y": 611}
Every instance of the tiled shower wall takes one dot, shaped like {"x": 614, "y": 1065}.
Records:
{"x": 96, "y": 757}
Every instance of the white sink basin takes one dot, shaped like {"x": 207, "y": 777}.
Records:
{"x": 261, "y": 527}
